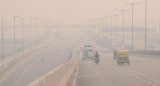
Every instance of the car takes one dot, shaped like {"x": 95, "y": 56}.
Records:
{"x": 88, "y": 52}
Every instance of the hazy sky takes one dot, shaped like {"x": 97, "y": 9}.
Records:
{"x": 70, "y": 10}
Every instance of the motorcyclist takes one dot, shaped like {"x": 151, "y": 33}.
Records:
{"x": 115, "y": 54}
{"x": 96, "y": 57}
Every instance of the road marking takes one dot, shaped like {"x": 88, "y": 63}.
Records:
{"x": 153, "y": 85}
{"x": 134, "y": 75}
{"x": 21, "y": 74}
{"x": 149, "y": 83}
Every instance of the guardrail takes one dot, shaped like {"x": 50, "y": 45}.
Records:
{"x": 59, "y": 76}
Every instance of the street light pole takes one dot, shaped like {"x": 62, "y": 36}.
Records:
{"x": 22, "y": 36}
{"x": 111, "y": 28}
{"x": 145, "y": 24}
{"x": 103, "y": 31}
{"x": 106, "y": 26}
{"x": 42, "y": 31}
{"x": 2, "y": 44}
{"x": 132, "y": 4}
{"x": 159, "y": 27}
{"x": 14, "y": 36}
{"x": 36, "y": 31}
{"x": 123, "y": 29}
{"x": 99, "y": 28}
{"x": 30, "y": 33}
{"x": 116, "y": 28}
{"x": 123, "y": 25}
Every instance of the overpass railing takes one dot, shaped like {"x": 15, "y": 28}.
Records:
{"x": 59, "y": 76}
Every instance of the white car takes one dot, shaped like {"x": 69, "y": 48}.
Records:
{"x": 88, "y": 52}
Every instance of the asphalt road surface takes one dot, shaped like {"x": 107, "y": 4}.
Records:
{"x": 142, "y": 71}
{"x": 40, "y": 63}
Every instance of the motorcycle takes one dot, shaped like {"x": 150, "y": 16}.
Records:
{"x": 96, "y": 60}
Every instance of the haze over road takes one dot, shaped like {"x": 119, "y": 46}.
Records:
{"x": 53, "y": 55}
{"x": 142, "y": 71}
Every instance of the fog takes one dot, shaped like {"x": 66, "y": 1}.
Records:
{"x": 38, "y": 36}
{"x": 70, "y": 10}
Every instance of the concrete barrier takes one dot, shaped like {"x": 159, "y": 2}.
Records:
{"x": 147, "y": 52}
{"x": 59, "y": 76}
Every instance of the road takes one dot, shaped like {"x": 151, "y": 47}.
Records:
{"x": 39, "y": 63}
{"x": 42, "y": 61}
{"x": 35, "y": 67}
{"x": 142, "y": 71}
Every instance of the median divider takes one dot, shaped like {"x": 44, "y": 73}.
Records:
{"x": 145, "y": 52}
{"x": 59, "y": 76}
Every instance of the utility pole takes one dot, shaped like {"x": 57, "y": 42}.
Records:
{"x": 22, "y": 36}
{"x": 132, "y": 4}
{"x": 103, "y": 27}
{"x": 2, "y": 45}
{"x": 111, "y": 28}
{"x": 159, "y": 27}
{"x": 123, "y": 11}
{"x": 14, "y": 37}
{"x": 106, "y": 26}
{"x": 30, "y": 34}
{"x": 99, "y": 28}
{"x": 45, "y": 34}
{"x": 36, "y": 31}
{"x": 42, "y": 32}
{"x": 145, "y": 24}
{"x": 116, "y": 28}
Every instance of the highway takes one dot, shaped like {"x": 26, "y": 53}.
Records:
{"x": 142, "y": 71}
{"x": 40, "y": 41}
{"x": 38, "y": 63}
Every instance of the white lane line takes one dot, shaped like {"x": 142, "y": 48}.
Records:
{"x": 149, "y": 83}
{"x": 20, "y": 77}
{"x": 139, "y": 78}
{"x": 136, "y": 77}
{"x": 153, "y": 85}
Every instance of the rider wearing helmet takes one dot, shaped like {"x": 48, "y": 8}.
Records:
{"x": 96, "y": 57}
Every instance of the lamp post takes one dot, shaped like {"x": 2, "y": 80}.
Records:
{"x": 111, "y": 27}
{"x": 106, "y": 26}
{"x": 99, "y": 28}
{"x": 2, "y": 44}
{"x": 31, "y": 33}
{"x": 123, "y": 11}
{"x": 14, "y": 35}
{"x": 116, "y": 28}
{"x": 132, "y": 4}
{"x": 36, "y": 27}
{"x": 145, "y": 24}
{"x": 42, "y": 32}
{"x": 103, "y": 27}
{"x": 159, "y": 27}
{"x": 22, "y": 35}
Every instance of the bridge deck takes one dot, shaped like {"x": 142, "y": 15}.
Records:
{"x": 107, "y": 73}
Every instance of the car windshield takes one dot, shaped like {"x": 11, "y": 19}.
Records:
{"x": 87, "y": 46}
